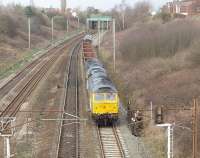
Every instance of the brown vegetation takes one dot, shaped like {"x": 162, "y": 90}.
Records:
{"x": 158, "y": 40}
{"x": 8, "y": 26}
{"x": 160, "y": 63}
{"x": 14, "y": 34}
{"x": 140, "y": 12}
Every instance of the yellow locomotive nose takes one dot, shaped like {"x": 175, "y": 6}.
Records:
{"x": 104, "y": 105}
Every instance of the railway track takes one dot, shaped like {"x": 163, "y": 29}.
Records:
{"x": 68, "y": 145}
{"x": 111, "y": 143}
{"x": 31, "y": 81}
{"x": 5, "y": 89}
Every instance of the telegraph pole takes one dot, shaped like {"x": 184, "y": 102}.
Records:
{"x": 195, "y": 128}
{"x": 78, "y": 23}
{"x": 114, "y": 45}
{"x": 67, "y": 25}
{"x": 99, "y": 35}
{"x": 52, "y": 29}
{"x": 7, "y": 131}
{"x": 123, "y": 20}
{"x": 51, "y": 17}
{"x": 29, "y": 14}
{"x": 87, "y": 25}
{"x": 107, "y": 25}
{"x": 29, "y": 32}
{"x": 151, "y": 106}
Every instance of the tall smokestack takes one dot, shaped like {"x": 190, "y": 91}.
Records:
{"x": 63, "y": 6}
{"x": 31, "y": 3}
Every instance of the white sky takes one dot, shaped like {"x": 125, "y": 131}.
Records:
{"x": 100, "y": 4}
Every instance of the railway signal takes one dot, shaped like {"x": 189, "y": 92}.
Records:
{"x": 159, "y": 120}
{"x": 169, "y": 139}
{"x": 6, "y": 131}
{"x": 51, "y": 16}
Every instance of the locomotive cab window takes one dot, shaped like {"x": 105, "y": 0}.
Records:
{"x": 110, "y": 96}
{"x": 99, "y": 97}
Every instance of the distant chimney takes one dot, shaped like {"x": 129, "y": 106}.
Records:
{"x": 63, "y": 6}
{"x": 31, "y": 3}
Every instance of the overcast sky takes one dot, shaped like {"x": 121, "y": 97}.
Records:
{"x": 100, "y": 4}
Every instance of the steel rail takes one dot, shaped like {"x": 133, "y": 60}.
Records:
{"x": 109, "y": 141}
{"x": 31, "y": 84}
{"x": 70, "y": 66}
{"x": 21, "y": 74}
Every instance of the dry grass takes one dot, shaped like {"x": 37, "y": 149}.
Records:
{"x": 159, "y": 40}
{"x": 14, "y": 35}
{"x": 156, "y": 141}
{"x": 163, "y": 70}
{"x": 194, "y": 57}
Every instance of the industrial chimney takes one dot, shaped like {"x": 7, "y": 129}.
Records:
{"x": 31, "y": 3}
{"x": 63, "y": 6}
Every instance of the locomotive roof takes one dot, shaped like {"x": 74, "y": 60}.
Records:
{"x": 92, "y": 62}
{"x": 99, "y": 83}
{"x": 87, "y": 37}
{"x": 98, "y": 79}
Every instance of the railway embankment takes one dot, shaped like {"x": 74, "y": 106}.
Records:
{"x": 17, "y": 66}
{"x": 37, "y": 97}
{"x": 14, "y": 51}
{"x": 132, "y": 146}
{"x": 150, "y": 69}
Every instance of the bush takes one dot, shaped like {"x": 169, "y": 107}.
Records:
{"x": 35, "y": 25}
{"x": 41, "y": 18}
{"x": 194, "y": 56}
{"x": 166, "y": 17}
{"x": 60, "y": 22}
{"x": 7, "y": 26}
{"x": 159, "y": 40}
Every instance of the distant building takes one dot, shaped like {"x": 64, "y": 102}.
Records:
{"x": 184, "y": 7}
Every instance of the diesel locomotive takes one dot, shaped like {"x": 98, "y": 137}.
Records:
{"x": 103, "y": 96}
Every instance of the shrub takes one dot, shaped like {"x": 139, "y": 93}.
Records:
{"x": 7, "y": 25}
{"x": 194, "y": 56}
{"x": 60, "y": 22}
{"x": 41, "y": 18}
{"x": 166, "y": 17}
{"x": 35, "y": 25}
{"x": 159, "y": 40}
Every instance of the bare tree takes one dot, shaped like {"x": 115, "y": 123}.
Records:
{"x": 126, "y": 15}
